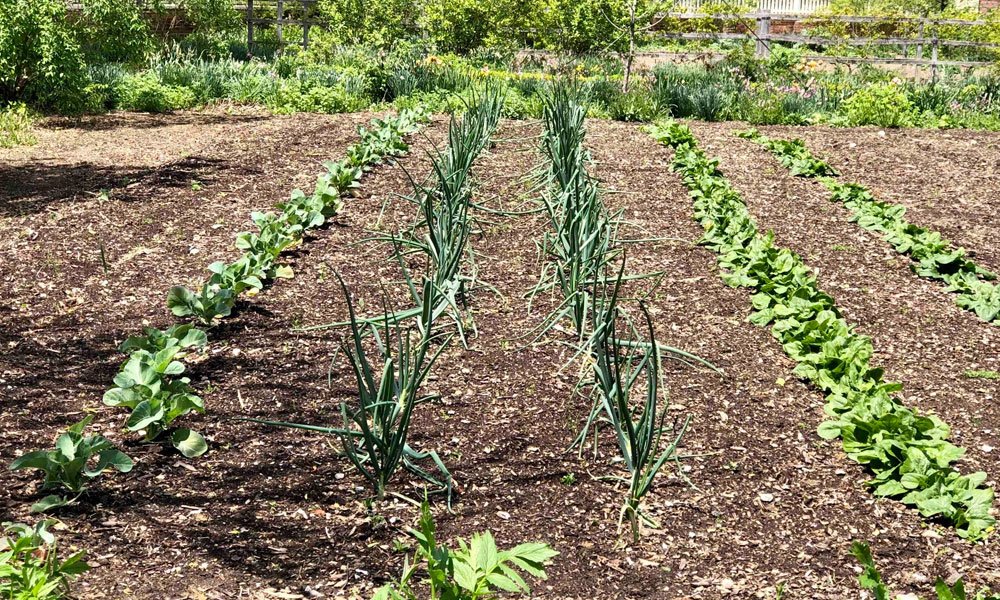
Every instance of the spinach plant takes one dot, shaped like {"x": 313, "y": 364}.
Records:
{"x": 476, "y": 569}
{"x": 30, "y": 567}
{"x": 792, "y": 154}
{"x": 933, "y": 256}
{"x": 76, "y": 460}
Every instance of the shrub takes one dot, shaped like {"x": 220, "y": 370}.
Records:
{"x": 216, "y": 24}
{"x": 40, "y": 59}
{"x": 15, "y": 126}
{"x": 881, "y": 104}
{"x": 585, "y": 25}
{"x": 517, "y": 105}
{"x": 114, "y": 31}
{"x": 636, "y": 105}
{"x": 310, "y": 96}
{"x": 146, "y": 93}
{"x": 457, "y": 25}
{"x": 378, "y": 22}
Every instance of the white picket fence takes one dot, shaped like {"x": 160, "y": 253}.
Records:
{"x": 785, "y": 7}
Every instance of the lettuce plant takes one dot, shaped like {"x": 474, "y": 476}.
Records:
{"x": 148, "y": 384}
{"x": 76, "y": 460}
{"x": 30, "y": 568}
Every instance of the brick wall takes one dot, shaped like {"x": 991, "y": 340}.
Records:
{"x": 985, "y": 5}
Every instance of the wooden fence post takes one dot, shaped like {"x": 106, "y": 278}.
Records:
{"x": 920, "y": 46}
{"x": 250, "y": 27}
{"x": 281, "y": 16}
{"x": 934, "y": 55}
{"x": 763, "y": 33}
{"x": 307, "y": 13}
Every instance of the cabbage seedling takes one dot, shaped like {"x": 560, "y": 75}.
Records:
{"x": 74, "y": 462}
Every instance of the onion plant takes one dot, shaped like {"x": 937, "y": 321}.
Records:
{"x": 445, "y": 204}
{"x": 581, "y": 242}
{"x": 622, "y": 365}
{"x": 376, "y": 425}
{"x": 444, "y": 223}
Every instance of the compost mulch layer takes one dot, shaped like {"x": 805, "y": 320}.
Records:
{"x": 758, "y": 501}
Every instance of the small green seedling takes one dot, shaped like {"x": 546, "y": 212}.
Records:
{"x": 30, "y": 568}
{"x": 477, "y": 569}
{"x": 74, "y": 462}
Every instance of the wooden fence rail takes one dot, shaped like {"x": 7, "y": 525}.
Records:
{"x": 757, "y": 26}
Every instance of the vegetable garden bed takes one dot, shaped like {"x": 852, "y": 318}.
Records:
{"x": 761, "y": 501}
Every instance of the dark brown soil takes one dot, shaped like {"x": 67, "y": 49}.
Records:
{"x": 759, "y": 502}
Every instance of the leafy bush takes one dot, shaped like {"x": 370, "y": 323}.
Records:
{"x": 216, "y": 23}
{"x": 114, "y": 31}
{"x": 15, "y": 126}
{"x": 461, "y": 25}
{"x": 30, "y": 568}
{"x": 71, "y": 464}
{"x": 40, "y": 58}
{"x": 584, "y": 25}
{"x": 379, "y": 22}
{"x": 146, "y": 93}
{"x": 311, "y": 96}
{"x": 882, "y": 104}
{"x": 635, "y": 105}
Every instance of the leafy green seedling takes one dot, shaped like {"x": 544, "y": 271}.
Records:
{"x": 72, "y": 464}
{"x": 477, "y": 569}
{"x": 148, "y": 385}
{"x": 30, "y": 568}
{"x": 982, "y": 375}
{"x": 180, "y": 336}
{"x": 207, "y": 305}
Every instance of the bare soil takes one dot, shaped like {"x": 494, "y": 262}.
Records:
{"x": 760, "y": 501}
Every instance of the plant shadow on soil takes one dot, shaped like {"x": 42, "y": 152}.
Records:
{"x": 134, "y": 120}
{"x": 32, "y": 189}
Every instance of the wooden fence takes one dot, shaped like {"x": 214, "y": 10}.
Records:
{"x": 300, "y": 13}
{"x": 758, "y": 27}
{"x": 788, "y": 7}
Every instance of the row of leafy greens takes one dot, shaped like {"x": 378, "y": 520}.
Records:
{"x": 908, "y": 453}
{"x": 933, "y": 256}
